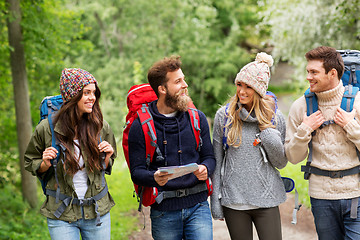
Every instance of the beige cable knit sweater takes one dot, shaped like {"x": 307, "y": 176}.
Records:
{"x": 334, "y": 148}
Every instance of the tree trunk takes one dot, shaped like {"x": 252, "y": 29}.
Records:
{"x": 21, "y": 96}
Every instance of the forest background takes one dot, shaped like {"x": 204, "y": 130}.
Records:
{"x": 117, "y": 41}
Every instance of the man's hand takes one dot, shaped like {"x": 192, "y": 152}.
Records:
{"x": 314, "y": 120}
{"x": 201, "y": 173}
{"x": 342, "y": 117}
{"x": 161, "y": 177}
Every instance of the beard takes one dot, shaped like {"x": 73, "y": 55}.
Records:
{"x": 178, "y": 101}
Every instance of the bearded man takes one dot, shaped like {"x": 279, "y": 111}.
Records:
{"x": 184, "y": 216}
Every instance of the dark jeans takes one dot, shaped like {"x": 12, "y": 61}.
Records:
{"x": 332, "y": 219}
{"x": 266, "y": 220}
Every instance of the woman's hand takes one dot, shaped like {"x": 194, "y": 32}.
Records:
{"x": 48, "y": 154}
{"x": 106, "y": 147}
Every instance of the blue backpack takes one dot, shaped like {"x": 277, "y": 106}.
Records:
{"x": 351, "y": 74}
{"x": 289, "y": 184}
{"x": 48, "y": 108}
{"x": 350, "y": 79}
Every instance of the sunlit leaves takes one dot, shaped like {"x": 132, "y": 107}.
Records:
{"x": 298, "y": 26}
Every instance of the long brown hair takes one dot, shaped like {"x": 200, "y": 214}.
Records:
{"x": 86, "y": 128}
{"x": 264, "y": 109}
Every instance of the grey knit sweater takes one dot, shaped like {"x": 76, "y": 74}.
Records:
{"x": 246, "y": 178}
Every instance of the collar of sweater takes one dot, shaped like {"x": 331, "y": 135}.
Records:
{"x": 332, "y": 96}
{"x": 245, "y": 116}
{"x": 171, "y": 124}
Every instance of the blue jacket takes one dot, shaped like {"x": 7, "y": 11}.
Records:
{"x": 178, "y": 133}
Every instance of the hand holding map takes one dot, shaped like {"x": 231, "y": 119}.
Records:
{"x": 178, "y": 171}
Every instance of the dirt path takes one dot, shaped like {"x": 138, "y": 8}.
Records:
{"x": 303, "y": 230}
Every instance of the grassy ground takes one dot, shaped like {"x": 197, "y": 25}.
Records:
{"x": 18, "y": 221}
{"x": 123, "y": 217}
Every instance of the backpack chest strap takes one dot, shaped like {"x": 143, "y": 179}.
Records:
{"x": 327, "y": 173}
{"x": 66, "y": 200}
{"x": 181, "y": 192}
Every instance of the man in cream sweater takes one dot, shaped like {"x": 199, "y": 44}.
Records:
{"x": 334, "y": 198}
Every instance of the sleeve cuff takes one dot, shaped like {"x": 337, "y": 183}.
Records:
{"x": 304, "y": 130}
{"x": 36, "y": 167}
{"x": 109, "y": 167}
{"x": 350, "y": 125}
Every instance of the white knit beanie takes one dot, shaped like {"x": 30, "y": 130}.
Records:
{"x": 257, "y": 74}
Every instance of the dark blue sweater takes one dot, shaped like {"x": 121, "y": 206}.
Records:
{"x": 178, "y": 133}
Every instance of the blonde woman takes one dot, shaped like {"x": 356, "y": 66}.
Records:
{"x": 249, "y": 134}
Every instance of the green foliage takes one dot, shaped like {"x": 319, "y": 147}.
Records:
{"x": 129, "y": 36}
{"x": 50, "y": 34}
{"x": 299, "y": 26}
{"x": 17, "y": 220}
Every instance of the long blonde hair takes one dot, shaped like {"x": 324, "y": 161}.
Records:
{"x": 264, "y": 109}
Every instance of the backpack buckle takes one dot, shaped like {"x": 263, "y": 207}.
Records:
{"x": 182, "y": 193}
{"x": 353, "y": 68}
{"x": 335, "y": 174}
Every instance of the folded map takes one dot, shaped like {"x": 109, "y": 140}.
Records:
{"x": 179, "y": 171}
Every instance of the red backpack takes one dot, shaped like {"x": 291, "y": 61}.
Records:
{"x": 138, "y": 98}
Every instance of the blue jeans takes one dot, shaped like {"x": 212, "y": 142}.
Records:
{"x": 332, "y": 219}
{"x": 60, "y": 230}
{"x": 193, "y": 223}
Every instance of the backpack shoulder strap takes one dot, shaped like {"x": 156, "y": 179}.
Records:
{"x": 311, "y": 102}
{"x": 347, "y": 102}
{"x": 56, "y": 145}
{"x": 54, "y": 142}
{"x": 148, "y": 127}
{"x": 311, "y": 107}
{"x": 195, "y": 124}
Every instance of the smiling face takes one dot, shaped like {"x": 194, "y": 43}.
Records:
{"x": 87, "y": 101}
{"x": 176, "y": 96}
{"x": 319, "y": 80}
{"x": 245, "y": 94}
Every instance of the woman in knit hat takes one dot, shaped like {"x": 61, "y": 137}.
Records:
{"x": 77, "y": 201}
{"x": 248, "y": 138}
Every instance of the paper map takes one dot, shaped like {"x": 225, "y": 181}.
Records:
{"x": 179, "y": 171}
